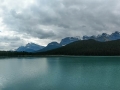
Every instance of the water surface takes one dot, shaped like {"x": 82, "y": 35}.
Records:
{"x": 60, "y": 73}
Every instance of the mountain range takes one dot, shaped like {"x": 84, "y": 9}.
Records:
{"x": 104, "y": 37}
{"x": 31, "y": 47}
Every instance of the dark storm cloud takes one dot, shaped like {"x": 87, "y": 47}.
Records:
{"x": 58, "y": 18}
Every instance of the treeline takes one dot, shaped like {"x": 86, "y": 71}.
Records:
{"x": 13, "y": 54}
{"x": 88, "y": 47}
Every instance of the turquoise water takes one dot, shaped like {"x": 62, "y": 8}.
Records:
{"x": 60, "y": 73}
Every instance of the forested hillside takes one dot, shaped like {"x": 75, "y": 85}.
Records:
{"x": 87, "y": 47}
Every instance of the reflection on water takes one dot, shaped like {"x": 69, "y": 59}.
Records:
{"x": 60, "y": 73}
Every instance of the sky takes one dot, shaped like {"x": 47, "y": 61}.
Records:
{"x": 44, "y": 21}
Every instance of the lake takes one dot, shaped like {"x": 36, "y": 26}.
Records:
{"x": 60, "y": 73}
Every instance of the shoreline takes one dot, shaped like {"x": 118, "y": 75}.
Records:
{"x": 74, "y": 56}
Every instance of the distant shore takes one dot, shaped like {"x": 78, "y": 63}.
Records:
{"x": 53, "y": 56}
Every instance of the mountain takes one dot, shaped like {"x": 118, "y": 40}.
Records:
{"x": 115, "y": 36}
{"x": 68, "y": 40}
{"x": 87, "y": 47}
{"x": 50, "y": 46}
{"x": 30, "y": 47}
{"x": 104, "y": 37}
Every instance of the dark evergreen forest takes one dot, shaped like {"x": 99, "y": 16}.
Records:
{"x": 88, "y": 47}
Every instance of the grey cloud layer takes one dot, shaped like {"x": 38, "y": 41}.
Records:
{"x": 81, "y": 16}
{"x": 55, "y": 19}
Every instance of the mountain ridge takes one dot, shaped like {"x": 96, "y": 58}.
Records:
{"x": 104, "y": 37}
{"x": 67, "y": 40}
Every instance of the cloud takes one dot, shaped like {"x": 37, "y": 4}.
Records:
{"x": 55, "y": 19}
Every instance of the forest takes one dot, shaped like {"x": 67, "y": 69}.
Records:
{"x": 87, "y": 48}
